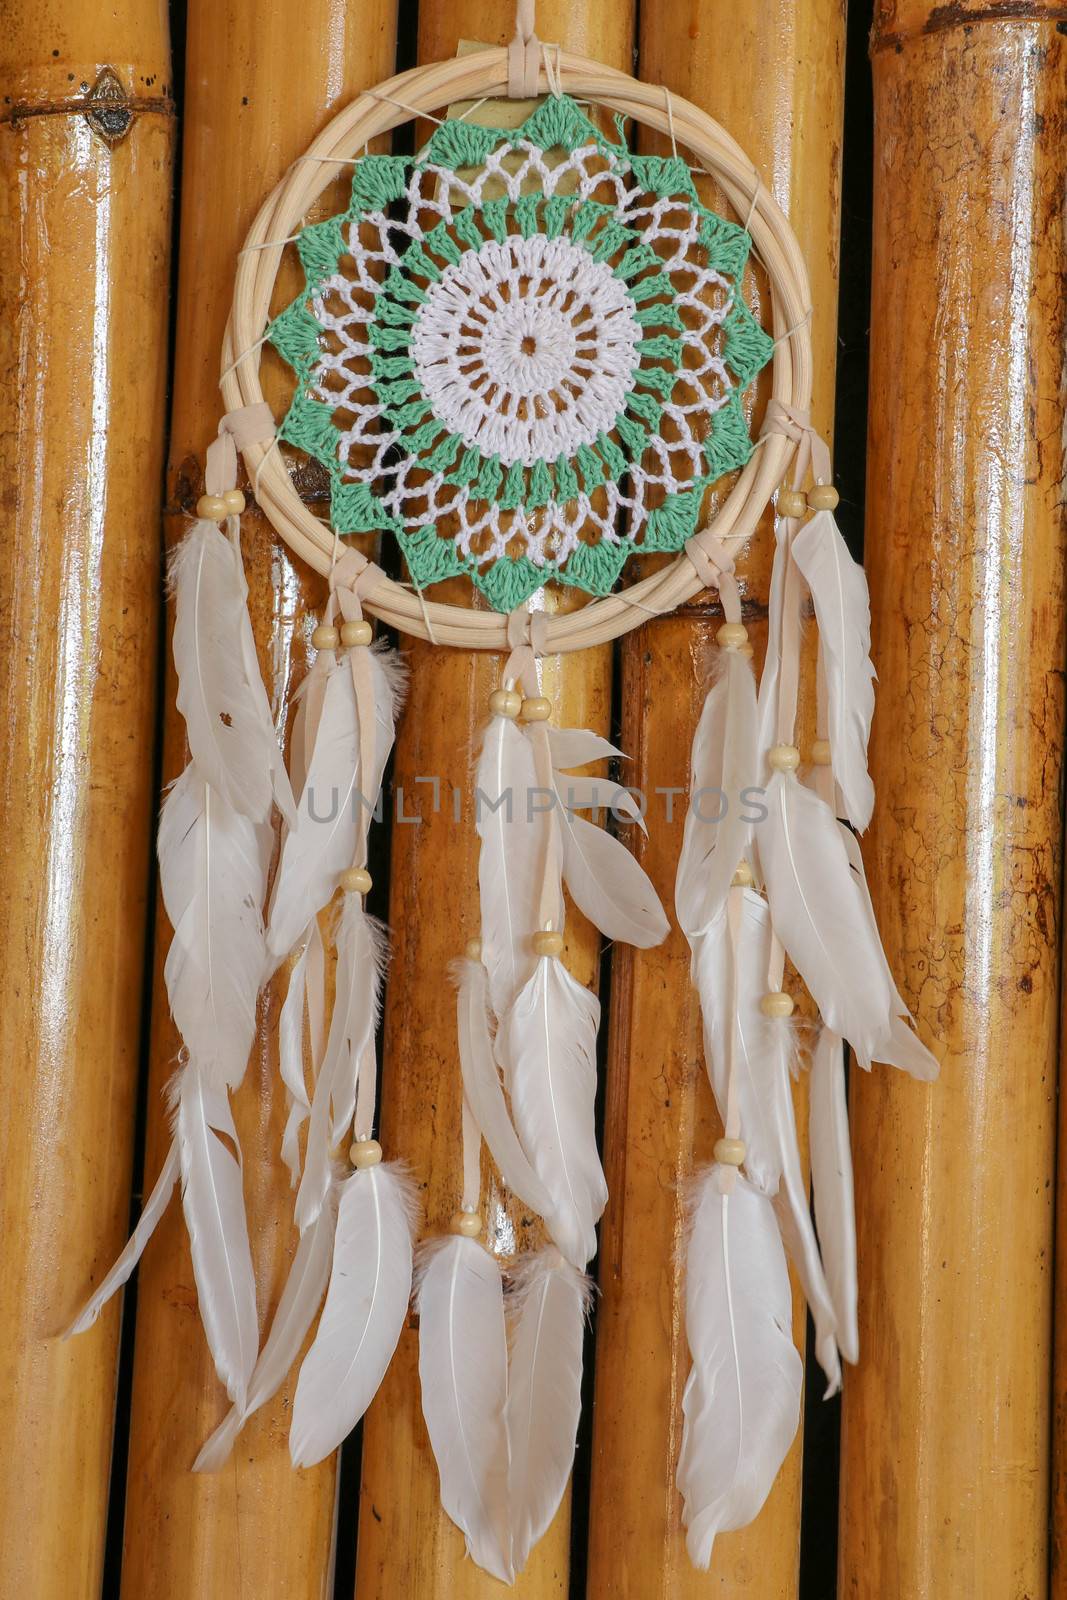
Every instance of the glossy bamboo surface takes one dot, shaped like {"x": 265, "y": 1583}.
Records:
{"x": 259, "y": 84}
{"x": 407, "y": 1545}
{"x": 946, "y": 1421}
{"x": 774, "y": 76}
{"x": 85, "y": 180}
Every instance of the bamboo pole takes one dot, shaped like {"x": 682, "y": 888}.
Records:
{"x": 86, "y": 147}
{"x": 946, "y": 1422}
{"x": 407, "y": 1546}
{"x": 260, "y": 83}
{"x": 775, "y": 80}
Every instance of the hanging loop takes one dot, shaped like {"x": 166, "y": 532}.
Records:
{"x": 524, "y": 54}
{"x": 795, "y": 423}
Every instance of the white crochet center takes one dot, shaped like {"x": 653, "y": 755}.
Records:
{"x": 526, "y": 348}
{"x": 508, "y": 418}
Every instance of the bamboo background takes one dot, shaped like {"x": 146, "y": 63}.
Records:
{"x": 929, "y": 141}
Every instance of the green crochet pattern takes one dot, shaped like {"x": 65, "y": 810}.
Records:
{"x": 523, "y": 353}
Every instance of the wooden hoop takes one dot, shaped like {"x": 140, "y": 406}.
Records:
{"x": 473, "y": 77}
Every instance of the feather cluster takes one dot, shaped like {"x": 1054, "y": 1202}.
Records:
{"x": 502, "y": 1373}
{"x": 215, "y": 842}
{"x": 769, "y": 869}
{"x": 356, "y": 1233}
{"x": 784, "y": 878}
{"x": 501, "y": 1377}
{"x": 215, "y": 846}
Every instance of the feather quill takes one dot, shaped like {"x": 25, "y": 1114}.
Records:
{"x": 547, "y": 1308}
{"x": 231, "y": 733}
{"x": 218, "y": 1233}
{"x": 718, "y": 825}
{"x": 463, "y": 1371}
{"x": 213, "y": 866}
{"x": 151, "y": 1212}
{"x": 300, "y": 1300}
{"x": 548, "y": 1044}
{"x": 838, "y": 588}
{"x": 514, "y": 838}
{"x": 831, "y": 1176}
{"x": 742, "y": 1399}
{"x": 481, "y": 1084}
{"x": 366, "y": 1303}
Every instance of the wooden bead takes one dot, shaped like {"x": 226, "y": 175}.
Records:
{"x": 355, "y": 880}
{"x": 792, "y": 503}
{"x": 783, "y": 757}
{"x": 729, "y": 1152}
{"x": 536, "y": 709}
{"x": 732, "y": 636}
{"x": 820, "y": 752}
{"x": 505, "y": 702}
{"x": 234, "y": 501}
{"x": 365, "y": 1153}
{"x": 776, "y": 1003}
{"x": 473, "y": 952}
{"x": 325, "y": 637}
{"x": 547, "y": 943}
{"x": 824, "y": 497}
{"x": 467, "y": 1223}
{"x": 212, "y": 507}
{"x": 742, "y": 878}
{"x": 353, "y": 633}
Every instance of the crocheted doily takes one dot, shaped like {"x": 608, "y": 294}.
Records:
{"x": 523, "y": 353}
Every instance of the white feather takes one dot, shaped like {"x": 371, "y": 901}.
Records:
{"x": 151, "y": 1212}
{"x": 218, "y": 1232}
{"x": 767, "y": 699}
{"x": 576, "y": 747}
{"x": 291, "y": 1058}
{"x": 742, "y": 1398}
{"x": 213, "y": 874}
{"x": 757, "y": 1060}
{"x": 607, "y": 884}
{"x": 548, "y": 1044}
{"x": 820, "y": 916}
{"x": 793, "y": 1210}
{"x": 718, "y": 822}
{"x": 231, "y": 734}
{"x": 366, "y": 1303}
{"x": 300, "y": 1300}
{"x": 547, "y": 1308}
{"x": 764, "y": 1052}
{"x": 579, "y": 793}
{"x": 899, "y": 1046}
{"x": 514, "y": 838}
{"x": 831, "y": 1176}
{"x": 481, "y": 1084}
{"x": 843, "y": 612}
{"x": 389, "y": 677}
{"x": 360, "y": 963}
{"x": 463, "y": 1371}
{"x": 336, "y": 802}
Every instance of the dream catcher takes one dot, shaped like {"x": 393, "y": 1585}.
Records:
{"x": 523, "y": 355}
